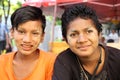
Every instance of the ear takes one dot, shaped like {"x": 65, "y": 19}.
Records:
{"x": 12, "y": 33}
{"x": 42, "y": 37}
{"x": 100, "y": 36}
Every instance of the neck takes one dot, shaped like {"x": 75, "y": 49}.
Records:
{"x": 92, "y": 59}
{"x": 26, "y": 58}
{"x": 91, "y": 64}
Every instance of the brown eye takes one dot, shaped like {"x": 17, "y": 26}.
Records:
{"x": 35, "y": 33}
{"x": 20, "y": 32}
{"x": 89, "y": 31}
{"x": 73, "y": 35}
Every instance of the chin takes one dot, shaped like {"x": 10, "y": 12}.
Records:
{"x": 26, "y": 52}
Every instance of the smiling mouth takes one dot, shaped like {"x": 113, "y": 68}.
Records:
{"x": 83, "y": 47}
{"x": 26, "y": 47}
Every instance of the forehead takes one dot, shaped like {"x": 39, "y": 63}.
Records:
{"x": 80, "y": 23}
{"x": 30, "y": 25}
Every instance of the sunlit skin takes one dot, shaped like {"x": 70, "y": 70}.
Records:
{"x": 28, "y": 37}
{"x": 83, "y": 39}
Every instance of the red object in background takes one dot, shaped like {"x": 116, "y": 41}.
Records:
{"x": 46, "y": 3}
{"x": 106, "y": 9}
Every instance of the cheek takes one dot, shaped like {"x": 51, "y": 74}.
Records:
{"x": 94, "y": 35}
{"x": 94, "y": 38}
{"x": 17, "y": 36}
{"x": 70, "y": 41}
{"x": 37, "y": 40}
{"x": 17, "y": 40}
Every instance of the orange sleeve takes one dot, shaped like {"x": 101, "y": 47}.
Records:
{"x": 50, "y": 67}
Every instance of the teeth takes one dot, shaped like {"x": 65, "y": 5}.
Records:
{"x": 26, "y": 45}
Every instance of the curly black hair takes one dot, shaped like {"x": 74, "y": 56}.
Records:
{"x": 81, "y": 11}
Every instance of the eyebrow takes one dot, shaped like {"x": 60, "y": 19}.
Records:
{"x": 83, "y": 29}
{"x": 73, "y": 31}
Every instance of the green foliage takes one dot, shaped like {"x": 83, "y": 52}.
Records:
{"x": 58, "y": 21}
{"x": 12, "y": 6}
{"x": 7, "y": 8}
{"x": 15, "y": 6}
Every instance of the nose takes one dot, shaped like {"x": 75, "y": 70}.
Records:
{"x": 82, "y": 38}
{"x": 27, "y": 38}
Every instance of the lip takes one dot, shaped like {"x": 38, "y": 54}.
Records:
{"x": 83, "y": 47}
{"x": 26, "y": 47}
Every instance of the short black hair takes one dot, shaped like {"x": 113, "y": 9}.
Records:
{"x": 79, "y": 11}
{"x": 27, "y": 13}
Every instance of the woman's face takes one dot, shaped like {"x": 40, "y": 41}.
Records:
{"x": 28, "y": 36}
{"x": 82, "y": 37}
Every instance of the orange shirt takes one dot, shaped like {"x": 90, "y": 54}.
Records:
{"x": 43, "y": 70}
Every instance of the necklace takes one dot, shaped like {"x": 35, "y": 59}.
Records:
{"x": 83, "y": 74}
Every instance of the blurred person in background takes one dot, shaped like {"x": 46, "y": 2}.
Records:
{"x": 113, "y": 36}
{"x": 28, "y": 62}
{"x": 4, "y": 37}
{"x": 103, "y": 40}
{"x": 86, "y": 58}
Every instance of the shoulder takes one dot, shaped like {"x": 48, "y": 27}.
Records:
{"x": 47, "y": 59}
{"x": 113, "y": 51}
{"x": 66, "y": 54}
{"x": 113, "y": 61}
{"x": 67, "y": 61}
{"x": 113, "y": 55}
{"x": 67, "y": 57}
{"x": 47, "y": 56}
{"x": 5, "y": 58}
